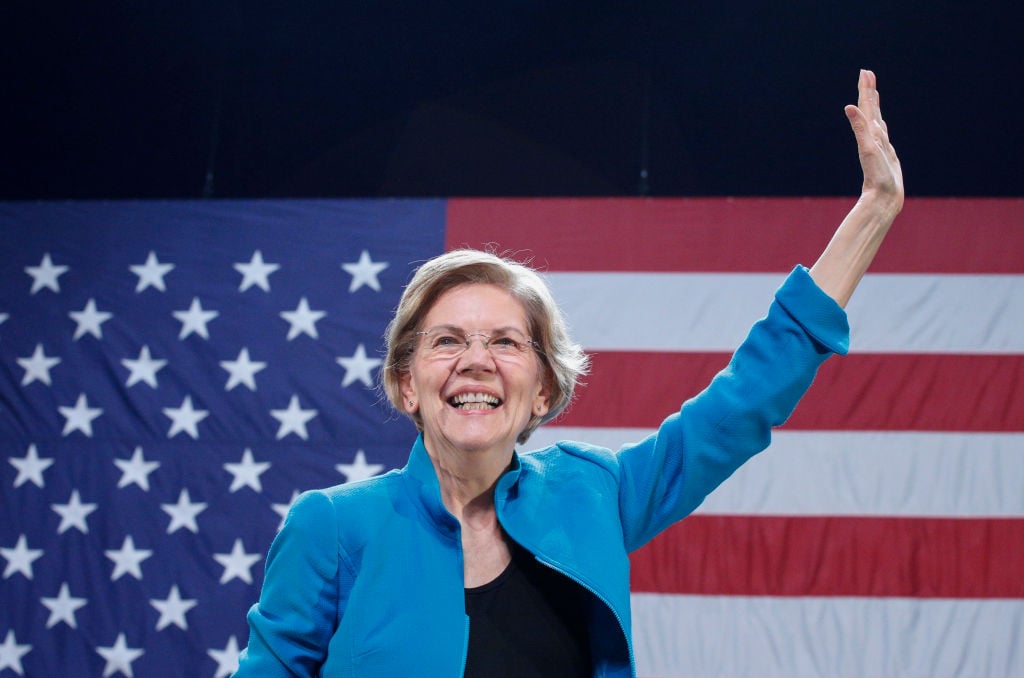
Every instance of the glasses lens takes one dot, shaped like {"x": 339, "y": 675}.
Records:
{"x": 509, "y": 342}
{"x": 445, "y": 342}
{"x": 449, "y": 342}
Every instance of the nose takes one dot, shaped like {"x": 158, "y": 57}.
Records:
{"x": 477, "y": 355}
{"x": 474, "y": 337}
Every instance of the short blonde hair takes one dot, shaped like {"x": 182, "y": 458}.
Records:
{"x": 563, "y": 361}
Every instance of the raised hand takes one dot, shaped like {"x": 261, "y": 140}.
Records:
{"x": 842, "y": 265}
{"x": 883, "y": 177}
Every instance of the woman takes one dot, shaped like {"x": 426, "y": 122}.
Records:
{"x": 473, "y": 560}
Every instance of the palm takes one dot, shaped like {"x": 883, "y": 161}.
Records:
{"x": 882, "y": 172}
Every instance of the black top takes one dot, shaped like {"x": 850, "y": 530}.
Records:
{"x": 530, "y": 621}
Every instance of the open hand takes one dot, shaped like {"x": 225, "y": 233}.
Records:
{"x": 883, "y": 177}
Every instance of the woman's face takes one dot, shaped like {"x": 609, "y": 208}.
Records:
{"x": 503, "y": 387}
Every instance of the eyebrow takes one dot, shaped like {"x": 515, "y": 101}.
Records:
{"x": 458, "y": 330}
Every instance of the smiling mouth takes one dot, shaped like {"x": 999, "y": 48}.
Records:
{"x": 474, "y": 401}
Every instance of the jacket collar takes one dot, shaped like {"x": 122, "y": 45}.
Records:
{"x": 422, "y": 484}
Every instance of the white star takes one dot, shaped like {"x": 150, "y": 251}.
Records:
{"x": 293, "y": 419}
{"x": 185, "y": 418}
{"x": 151, "y": 273}
{"x": 195, "y": 319}
{"x": 45, "y": 275}
{"x": 172, "y": 610}
{"x": 73, "y": 514}
{"x": 359, "y": 469}
{"x": 128, "y": 560}
{"x": 247, "y": 472}
{"x": 302, "y": 319}
{"x": 227, "y": 659}
{"x": 89, "y": 320}
{"x": 183, "y": 514}
{"x": 256, "y": 272}
{"x": 62, "y": 608}
{"x": 4, "y": 317}
{"x": 358, "y": 367}
{"x": 364, "y": 272}
{"x": 30, "y": 467}
{"x": 20, "y": 558}
{"x": 11, "y": 653}
{"x": 283, "y": 509}
{"x": 143, "y": 368}
{"x": 136, "y": 470}
{"x": 37, "y": 366}
{"x": 237, "y": 563}
{"x": 242, "y": 370}
{"x": 79, "y": 417}
{"x": 119, "y": 657}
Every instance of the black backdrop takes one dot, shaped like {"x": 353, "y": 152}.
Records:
{"x": 228, "y": 98}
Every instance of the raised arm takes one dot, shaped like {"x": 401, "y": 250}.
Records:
{"x": 847, "y": 256}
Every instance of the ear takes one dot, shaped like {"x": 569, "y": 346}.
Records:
{"x": 410, "y": 402}
{"x": 542, "y": 401}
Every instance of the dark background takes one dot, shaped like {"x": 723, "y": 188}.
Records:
{"x": 192, "y": 98}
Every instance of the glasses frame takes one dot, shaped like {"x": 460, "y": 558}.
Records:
{"x": 486, "y": 337}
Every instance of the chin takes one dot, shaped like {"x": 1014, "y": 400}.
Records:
{"x": 473, "y": 439}
{"x": 482, "y": 443}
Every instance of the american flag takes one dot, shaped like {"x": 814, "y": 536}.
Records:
{"x": 173, "y": 373}
{"x": 882, "y": 533}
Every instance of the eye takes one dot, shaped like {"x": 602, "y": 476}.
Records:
{"x": 447, "y": 341}
{"x": 506, "y": 343}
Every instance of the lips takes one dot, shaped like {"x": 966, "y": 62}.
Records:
{"x": 474, "y": 401}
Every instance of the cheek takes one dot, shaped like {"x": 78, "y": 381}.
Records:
{"x": 422, "y": 384}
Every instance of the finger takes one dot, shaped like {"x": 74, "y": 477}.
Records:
{"x": 887, "y": 146}
{"x": 869, "y": 132}
{"x": 878, "y": 108}
{"x": 854, "y": 115}
{"x": 865, "y": 131}
{"x": 858, "y": 122}
{"x": 867, "y": 99}
{"x": 872, "y": 139}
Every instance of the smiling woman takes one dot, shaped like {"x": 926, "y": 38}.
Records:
{"x": 438, "y": 383}
{"x": 541, "y": 323}
{"x": 474, "y": 560}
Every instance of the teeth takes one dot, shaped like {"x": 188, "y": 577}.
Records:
{"x": 475, "y": 400}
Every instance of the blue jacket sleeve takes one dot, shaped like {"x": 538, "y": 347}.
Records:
{"x": 666, "y": 476}
{"x": 300, "y": 603}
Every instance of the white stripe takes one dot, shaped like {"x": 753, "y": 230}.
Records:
{"x": 859, "y": 473}
{"x": 832, "y": 637}
{"x": 904, "y": 313}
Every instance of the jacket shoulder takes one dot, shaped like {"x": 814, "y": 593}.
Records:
{"x": 572, "y": 452}
{"x": 358, "y": 510}
{"x": 368, "y": 490}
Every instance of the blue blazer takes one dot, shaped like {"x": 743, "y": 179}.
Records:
{"x": 366, "y": 578}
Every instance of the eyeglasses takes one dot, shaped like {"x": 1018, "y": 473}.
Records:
{"x": 447, "y": 341}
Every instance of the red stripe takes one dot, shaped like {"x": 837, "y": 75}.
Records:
{"x": 835, "y": 556}
{"x": 932, "y": 235}
{"x": 923, "y": 392}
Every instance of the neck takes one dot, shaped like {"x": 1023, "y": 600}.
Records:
{"x": 467, "y": 481}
